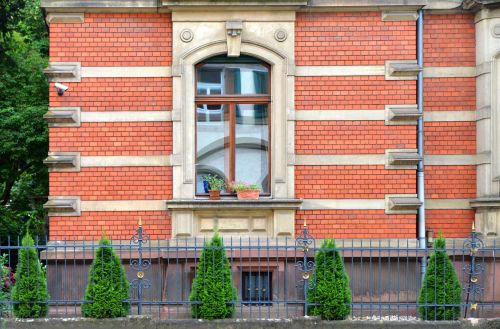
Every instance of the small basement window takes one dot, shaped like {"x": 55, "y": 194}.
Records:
{"x": 257, "y": 287}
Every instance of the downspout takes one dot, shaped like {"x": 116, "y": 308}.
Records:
{"x": 420, "y": 139}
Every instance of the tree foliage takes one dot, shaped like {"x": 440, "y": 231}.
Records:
{"x": 30, "y": 290}
{"x": 108, "y": 286}
{"x": 441, "y": 288}
{"x": 330, "y": 291}
{"x": 23, "y": 101}
{"x": 213, "y": 284}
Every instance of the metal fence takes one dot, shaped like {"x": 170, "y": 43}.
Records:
{"x": 272, "y": 276}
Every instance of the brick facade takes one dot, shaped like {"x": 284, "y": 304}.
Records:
{"x": 329, "y": 39}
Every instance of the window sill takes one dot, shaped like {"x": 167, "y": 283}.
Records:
{"x": 261, "y": 203}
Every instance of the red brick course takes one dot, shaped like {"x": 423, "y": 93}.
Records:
{"x": 107, "y": 39}
{"x": 351, "y": 182}
{"x": 356, "y": 224}
{"x": 449, "y": 94}
{"x": 450, "y": 137}
{"x": 351, "y": 93}
{"x": 113, "y": 138}
{"x": 450, "y": 182}
{"x": 345, "y": 137}
{"x": 351, "y": 38}
{"x": 117, "y": 225}
{"x": 449, "y": 40}
{"x": 116, "y": 94}
{"x": 114, "y": 183}
{"x": 452, "y": 223}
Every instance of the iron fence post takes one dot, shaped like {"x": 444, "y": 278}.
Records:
{"x": 140, "y": 265}
{"x": 472, "y": 287}
{"x": 304, "y": 241}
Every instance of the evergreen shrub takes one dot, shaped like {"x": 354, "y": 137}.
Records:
{"x": 440, "y": 287}
{"x": 329, "y": 293}
{"x": 213, "y": 285}
{"x": 30, "y": 293}
{"x": 108, "y": 286}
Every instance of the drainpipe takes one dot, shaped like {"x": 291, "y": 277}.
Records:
{"x": 420, "y": 138}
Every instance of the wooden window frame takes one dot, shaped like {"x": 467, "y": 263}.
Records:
{"x": 232, "y": 101}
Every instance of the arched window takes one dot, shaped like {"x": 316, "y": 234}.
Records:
{"x": 233, "y": 101}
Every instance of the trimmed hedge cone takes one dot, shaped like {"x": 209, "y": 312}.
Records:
{"x": 331, "y": 293}
{"x": 440, "y": 287}
{"x": 30, "y": 290}
{"x": 212, "y": 287}
{"x": 108, "y": 286}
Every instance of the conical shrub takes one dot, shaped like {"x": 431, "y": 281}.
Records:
{"x": 212, "y": 288}
{"x": 330, "y": 295}
{"x": 30, "y": 293}
{"x": 108, "y": 287}
{"x": 440, "y": 287}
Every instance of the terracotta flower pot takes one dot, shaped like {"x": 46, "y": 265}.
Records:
{"x": 214, "y": 194}
{"x": 248, "y": 194}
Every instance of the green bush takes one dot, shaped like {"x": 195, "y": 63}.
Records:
{"x": 440, "y": 287}
{"x": 330, "y": 292}
{"x": 30, "y": 290}
{"x": 107, "y": 286}
{"x": 213, "y": 285}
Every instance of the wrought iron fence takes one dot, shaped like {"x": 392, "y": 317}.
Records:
{"x": 273, "y": 277}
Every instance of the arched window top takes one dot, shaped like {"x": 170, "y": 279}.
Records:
{"x": 222, "y": 76}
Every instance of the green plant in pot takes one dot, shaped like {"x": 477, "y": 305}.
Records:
{"x": 246, "y": 191}
{"x": 215, "y": 185}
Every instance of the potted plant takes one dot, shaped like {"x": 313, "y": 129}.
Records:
{"x": 246, "y": 191}
{"x": 215, "y": 185}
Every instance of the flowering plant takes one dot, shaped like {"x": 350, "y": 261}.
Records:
{"x": 244, "y": 186}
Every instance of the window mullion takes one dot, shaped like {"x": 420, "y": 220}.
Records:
{"x": 232, "y": 142}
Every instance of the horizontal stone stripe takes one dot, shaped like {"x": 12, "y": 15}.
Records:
{"x": 443, "y": 116}
{"x": 124, "y": 161}
{"x": 451, "y": 160}
{"x": 126, "y": 71}
{"x": 314, "y": 71}
{"x": 434, "y": 204}
{"x": 449, "y": 72}
{"x": 124, "y": 205}
{"x": 340, "y": 159}
{"x": 126, "y": 116}
{"x": 378, "y": 204}
{"x": 375, "y": 115}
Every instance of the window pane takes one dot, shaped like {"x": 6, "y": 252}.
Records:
{"x": 232, "y": 79}
{"x": 212, "y": 143}
{"x": 252, "y": 139}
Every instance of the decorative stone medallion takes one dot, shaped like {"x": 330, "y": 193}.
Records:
{"x": 280, "y": 35}
{"x": 186, "y": 35}
{"x": 496, "y": 31}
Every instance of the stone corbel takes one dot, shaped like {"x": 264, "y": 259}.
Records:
{"x": 63, "y": 117}
{"x": 233, "y": 35}
{"x": 63, "y": 72}
{"x": 401, "y": 203}
{"x": 401, "y": 159}
{"x": 401, "y": 70}
{"x": 401, "y": 114}
{"x": 392, "y": 16}
{"x": 63, "y": 206}
{"x": 63, "y": 161}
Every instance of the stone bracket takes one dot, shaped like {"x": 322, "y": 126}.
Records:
{"x": 233, "y": 37}
{"x": 63, "y": 161}
{"x": 65, "y": 18}
{"x": 401, "y": 159}
{"x": 401, "y": 203}
{"x": 63, "y": 117}
{"x": 63, "y": 72}
{"x": 401, "y": 70}
{"x": 401, "y": 114}
{"x": 63, "y": 206}
{"x": 390, "y": 16}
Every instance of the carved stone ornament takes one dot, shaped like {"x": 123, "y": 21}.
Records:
{"x": 280, "y": 35}
{"x": 186, "y": 35}
{"x": 234, "y": 29}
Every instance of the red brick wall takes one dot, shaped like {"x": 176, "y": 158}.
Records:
{"x": 450, "y": 137}
{"x": 351, "y": 93}
{"x": 450, "y": 182}
{"x": 353, "y": 38}
{"x": 452, "y": 223}
{"x": 114, "y": 138}
{"x": 350, "y": 137}
{"x": 107, "y": 39}
{"x": 449, "y": 94}
{"x": 117, "y": 225}
{"x": 356, "y": 224}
